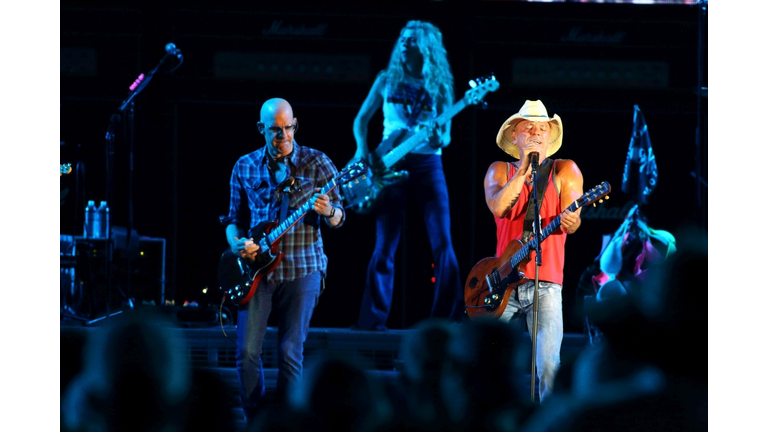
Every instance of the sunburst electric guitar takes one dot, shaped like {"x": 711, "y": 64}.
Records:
{"x": 493, "y": 280}
{"x": 239, "y": 278}
{"x": 362, "y": 198}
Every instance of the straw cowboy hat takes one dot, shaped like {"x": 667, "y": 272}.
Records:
{"x": 531, "y": 111}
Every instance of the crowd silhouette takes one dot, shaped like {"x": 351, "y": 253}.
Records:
{"x": 133, "y": 374}
{"x": 648, "y": 372}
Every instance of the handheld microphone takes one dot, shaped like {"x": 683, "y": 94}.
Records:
{"x": 534, "y": 157}
{"x": 171, "y": 49}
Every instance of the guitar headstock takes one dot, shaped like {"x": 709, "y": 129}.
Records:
{"x": 595, "y": 194}
{"x": 351, "y": 172}
{"x": 479, "y": 88}
{"x": 65, "y": 169}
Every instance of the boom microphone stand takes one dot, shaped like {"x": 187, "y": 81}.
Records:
{"x": 537, "y": 233}
{"x": 127, "y": 111}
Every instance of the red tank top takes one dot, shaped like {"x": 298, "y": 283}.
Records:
{"x": 510, "y": 228}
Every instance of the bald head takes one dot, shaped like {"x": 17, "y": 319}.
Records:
{"x": 274, "y": 106}
{"x": 278, "y": 127}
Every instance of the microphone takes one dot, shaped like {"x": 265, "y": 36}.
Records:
{"x": 171, "y": 49}
{"x": 534, "y": 157}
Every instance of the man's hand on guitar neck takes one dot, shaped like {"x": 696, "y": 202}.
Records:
{"x": 246, "y": 248}
{"x": 569, "y": 221}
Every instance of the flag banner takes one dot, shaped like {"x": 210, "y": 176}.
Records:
{"x": 640, "y": 172}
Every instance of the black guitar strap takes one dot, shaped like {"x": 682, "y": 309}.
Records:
{"x": 287, "y": 187}
{"x": 417, "y": 107}
{"x": 284, "y": 205}
{"x": 541, "y": 188}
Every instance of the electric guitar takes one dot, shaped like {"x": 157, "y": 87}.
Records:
{"x": 363, "y": 197}
{"x": 492, "y": 280}
{"x": 65, "y": 169}
{"x": 238, "y": 278}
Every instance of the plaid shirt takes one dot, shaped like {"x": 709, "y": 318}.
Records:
{"x": 253, "y": 200}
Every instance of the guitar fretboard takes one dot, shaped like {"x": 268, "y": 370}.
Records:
{"x": 291, "y": 220}
{"x": 498, "y": 275}
{"x": 532, "y": 244}
{"x": 406, "y": 146}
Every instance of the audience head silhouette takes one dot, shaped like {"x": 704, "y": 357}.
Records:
{"x": 483, "y": 388}
{"x": 336, "y": 394}
{"x": 134, "y": 377}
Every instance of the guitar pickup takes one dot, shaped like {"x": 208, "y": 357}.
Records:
{"x": 493, "y": 280}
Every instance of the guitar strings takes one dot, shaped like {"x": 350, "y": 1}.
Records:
{"x": 551, "y": 227}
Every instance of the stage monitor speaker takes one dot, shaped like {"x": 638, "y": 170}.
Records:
{"x": 137, "y": 274}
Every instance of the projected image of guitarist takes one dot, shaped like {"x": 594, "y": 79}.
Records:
{"x": 413, "y": 92}
{"x": 274, "y": 183}
{"x": 508, "y": 192}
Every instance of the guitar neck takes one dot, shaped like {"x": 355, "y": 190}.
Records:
{"x": 588, "y": 198}
{"x": 406, "y": 146}
{"x": 294, "y": 217}
{"x": 532, "y": 244}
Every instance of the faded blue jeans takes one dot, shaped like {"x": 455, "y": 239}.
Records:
{"x": 549, "y": 337}
{"x": 293, "y": 303}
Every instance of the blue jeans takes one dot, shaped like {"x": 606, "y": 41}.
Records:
{"x": 549, "y": 336}
{"x": 293, "y": 302}
{"x": 427, "y": 181}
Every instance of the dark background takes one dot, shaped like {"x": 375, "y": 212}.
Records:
{"x": 588, "y": 63}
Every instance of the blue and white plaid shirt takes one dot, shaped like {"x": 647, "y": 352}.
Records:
{"x": 253, "y": 201}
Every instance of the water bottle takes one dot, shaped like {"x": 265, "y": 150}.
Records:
{"x": 91, "y": 224}
{"x": 103, "y": 212}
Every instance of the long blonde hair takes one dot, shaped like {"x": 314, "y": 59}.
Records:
{"x": 438, "y": 79}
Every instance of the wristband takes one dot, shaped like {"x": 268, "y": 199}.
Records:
{"x": 333, "y": 212}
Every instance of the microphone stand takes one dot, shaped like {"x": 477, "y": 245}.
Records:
{"x": 126, "y": 109}
{"x": 701, "y": 206}
{"x": 537, "y": 248}
{"x": 110, "y": 144}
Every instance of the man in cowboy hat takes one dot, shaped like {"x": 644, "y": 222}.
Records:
{"x": 508, "y": 191}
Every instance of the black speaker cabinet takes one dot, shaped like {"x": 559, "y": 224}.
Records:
{"x": 97, "y": 278}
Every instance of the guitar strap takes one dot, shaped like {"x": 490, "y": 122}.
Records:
{"x": 284, "y": 205}
{"x": 541, "y": 188}
{"x": 283, "y": 172}
{"x": 417, "y": 105}
{"x": 287, "y": 187}
{"x": 416, "y": 108}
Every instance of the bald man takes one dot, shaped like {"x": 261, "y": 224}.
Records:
{"x": 292, "y": 289}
